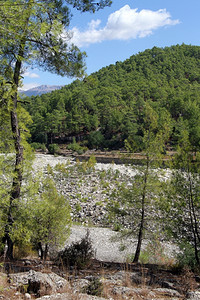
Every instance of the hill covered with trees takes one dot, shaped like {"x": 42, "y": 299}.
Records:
{"x": 106, "y": 109}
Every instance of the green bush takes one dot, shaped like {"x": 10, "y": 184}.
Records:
{"x": 186, "y": 258}
{"x": 95, "y": 287}
{"x": 74, "y": 146}
{"x": 78, "y": 254}
{"x": 154, "y": 253}
{"x": 53, "y": 148}
{"x": 96, "y": 140}
{"x": 38, "y": 146}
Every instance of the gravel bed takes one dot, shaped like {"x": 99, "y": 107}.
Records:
{"x": 108, "y": 245}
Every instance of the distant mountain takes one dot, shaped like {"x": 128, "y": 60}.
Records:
{"x": 42, "y": 89}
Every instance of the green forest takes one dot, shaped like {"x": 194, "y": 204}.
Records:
{"x": 106, "y": 109}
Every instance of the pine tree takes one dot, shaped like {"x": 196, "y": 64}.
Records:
{"x": 31, "y": 34}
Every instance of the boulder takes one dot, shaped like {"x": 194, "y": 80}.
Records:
{"x": 68, "y": 296}
{"x": 195, "y": 295}
{"x": 39, "y": 283}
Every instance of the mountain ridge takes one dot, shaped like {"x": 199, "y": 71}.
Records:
{"x": 41, "y": 89}
{"x": 107, "y": 108}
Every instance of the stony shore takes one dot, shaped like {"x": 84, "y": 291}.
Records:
{"x": 88, "y": 193}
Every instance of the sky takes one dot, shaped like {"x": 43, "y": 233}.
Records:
{"x": 124, "y": 29}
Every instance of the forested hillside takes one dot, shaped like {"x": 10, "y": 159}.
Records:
{"x": 106, "y": 109}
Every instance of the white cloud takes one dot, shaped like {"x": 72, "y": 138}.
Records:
{"x": 28, "y": 86}
{"x": 123, "y": 24}
{"x": 31, "y": 75}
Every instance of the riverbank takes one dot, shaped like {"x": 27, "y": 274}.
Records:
{"x": 89, "y": 192}
{"x": 117, "y": 157}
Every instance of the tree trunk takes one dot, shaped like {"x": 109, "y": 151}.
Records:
{"x": 193, "y": 220}
{"x": 141, "y": 230}
{"x": 140, "y": 237}
{"x": 40, "y": 250}
{"x": 17, "y": 178}
{"x": 46, "y": 251}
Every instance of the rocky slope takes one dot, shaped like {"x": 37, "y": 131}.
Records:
{"x": 102, "y": 281}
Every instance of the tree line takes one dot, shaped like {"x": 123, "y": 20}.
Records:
{"x": 106, "y": 109}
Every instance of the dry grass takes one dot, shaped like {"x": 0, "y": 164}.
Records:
{"x": 116, "y": 287}
{"x": 188, "y": 281}
{"x": 5, "y": 290}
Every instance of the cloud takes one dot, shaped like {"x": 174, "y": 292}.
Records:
{"x": 28, "y": 86}
{"x": 123, "y": 24}
{"x": 31, "y": 75}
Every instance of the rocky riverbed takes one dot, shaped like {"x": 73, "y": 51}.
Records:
{"x": 88, "y": 188}
{"x": 109, "y": 246}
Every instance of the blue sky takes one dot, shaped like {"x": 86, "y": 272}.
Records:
{"x": 126, "y": 28}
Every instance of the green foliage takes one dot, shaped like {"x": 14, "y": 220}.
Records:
{"x": 78, "y": 254}
{"x": 181, "y": 207}
{"x": 74, "y": 146}
{"x": 138, "y": 202}
{"x": 186, "y": 258}
{"x": 117, "y": 227}
{"x": 108, "y": 107}
{"x": 87, "y": 166}
{"x": 154, "y": 253}
{"x": 32, "y": 37}
{"x": 95, "y": 287}
{"x": 53, "y": 148}
{"x": 91, "y": 162}
{"x": 49, "y": 216}
{"x": 38, "y": 146}
{"x": 96, "y": 140}
{"x": 77, "y": 207}
{"x": 41, "y": 215}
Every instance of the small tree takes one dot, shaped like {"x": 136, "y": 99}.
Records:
{"x": 137, "y": 202}
{"x": 78, "y": 254}
{"x": 50, "y": 218}
{"x": 182, "y": 206}
{"x": 31, "y": 34}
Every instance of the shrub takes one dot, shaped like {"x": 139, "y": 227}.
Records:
{"x": 74, "y": 146}
{"x": 78, "y": 254}
{"x": 38, "y": 146}
{"x": 153, "y": 253}
{"x": 53, "y": 148}
{"x": 22, "y": 251}
{"x": 95, "y": 287}
{"x": 186, "y": 258}
{"x": 87, "y": 166}
{"x": 95, "y": 139}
